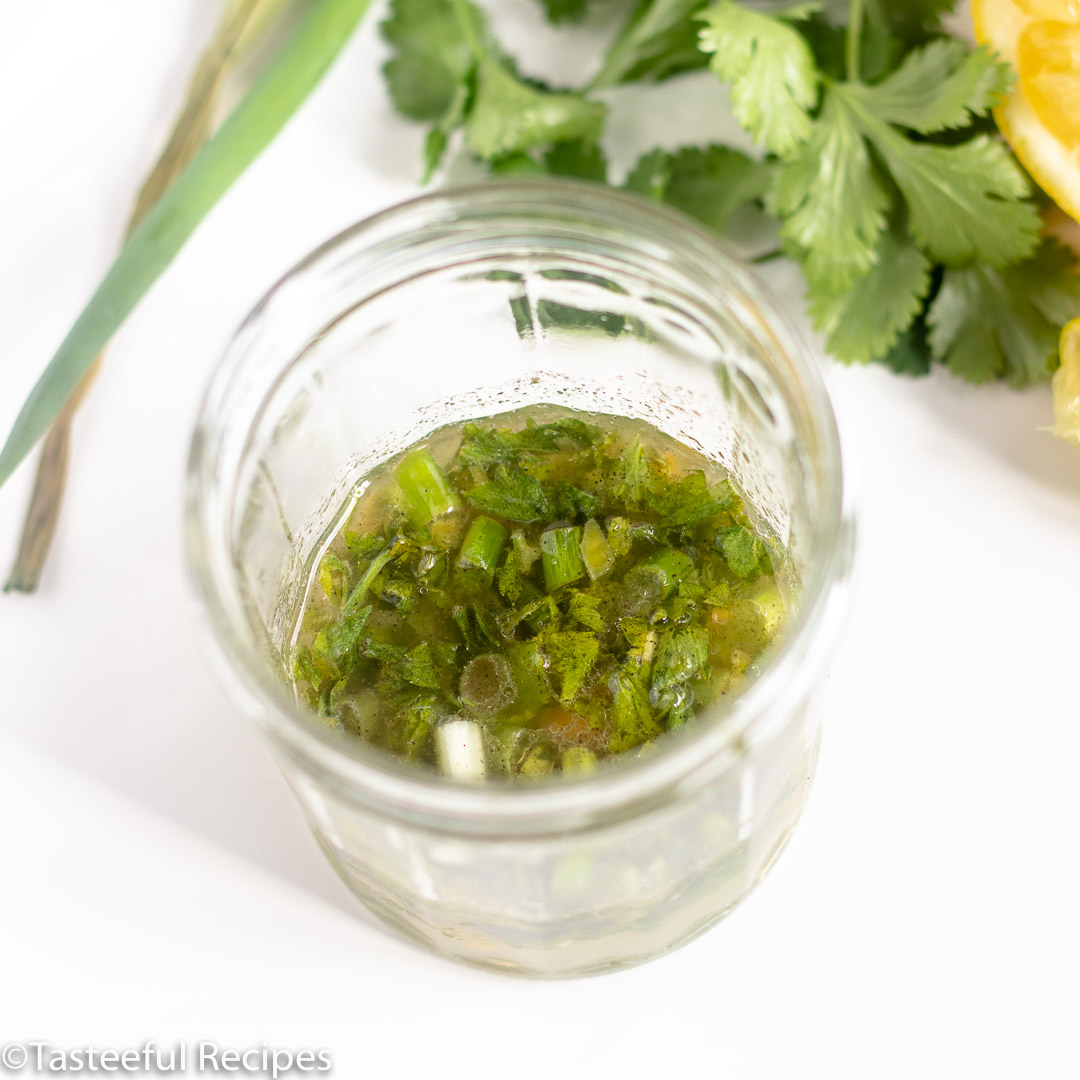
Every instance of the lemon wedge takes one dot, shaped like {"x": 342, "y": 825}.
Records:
{"x": 1041, "y": 40}
{"x": 1067, "y": 385}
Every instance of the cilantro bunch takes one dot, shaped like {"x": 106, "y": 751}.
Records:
{"x": 918, "y": 232}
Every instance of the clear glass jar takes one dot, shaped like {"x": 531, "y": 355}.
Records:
{"x": 463, "y": 304}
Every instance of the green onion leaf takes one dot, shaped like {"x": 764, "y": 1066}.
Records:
{"x": 295, "y": 72}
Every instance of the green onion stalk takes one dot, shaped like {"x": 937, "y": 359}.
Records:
{"x": 194, "y": 172}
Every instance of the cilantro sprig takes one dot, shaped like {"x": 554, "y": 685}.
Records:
{"x": 917, "y": 230}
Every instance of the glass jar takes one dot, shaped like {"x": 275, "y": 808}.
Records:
{"x": 463, "y": 304}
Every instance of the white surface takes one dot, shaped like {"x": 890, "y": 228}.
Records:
{"x": 159, "y": 882}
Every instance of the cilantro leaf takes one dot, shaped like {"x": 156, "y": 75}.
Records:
{"x": 651, "y": 175}
{"x": 432, "y": 57}
{"x": 987, "y": 324}
{"x": 657, "y": 41}
{"x": 942, "y": 85}
{"x": 508, "y": 116}
{"x": 964, "y": 201}
{"x": 634, "y": 720}
{"x": 565, "y": 10}
{"x": 485, "y": 447}
{"x": 364, "y": 546}
{"x": 692, "y": 500}
{"x": 833, "y": 204}
{"x": 439, "y": 136}
{"x": 681, "y": 657}
{"x": 576, "y": 158}
{"x": 709, "y": 184}
{"x": 743, "y": 551}
{"x": 573, "y": 504}
{"x": 418, "y": 667}
{"x": 774, "y": 79}
{"x": 866, "y": 320}
{"x": 585, "y": 609}
{"x": 570, "y": 655}
{"x": 334, "y": 579}
{"x": 510, "y": 494}
{"x": 911, "y": 354}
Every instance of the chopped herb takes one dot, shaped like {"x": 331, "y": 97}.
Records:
{"x": 557, "y": 591}
{"x": 510, "y": 494}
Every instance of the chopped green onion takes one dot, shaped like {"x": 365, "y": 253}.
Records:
{"x": 560, "y": 549}
{"x": 425, "y": 488}
{"x": 578, "y": 761}
{"x": 459, "y": 745}
{"x": 672, "y": 566}
{"x": 482, "y": 546}
{"x": 596, "y": 551}
{"x": 537, "y": 762}
{"x": 487, "y": 685}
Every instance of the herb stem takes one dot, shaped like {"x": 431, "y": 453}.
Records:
{"x": 854, "y": 39}
{"x": 468, "y": 29}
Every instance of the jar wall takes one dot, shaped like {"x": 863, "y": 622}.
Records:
{"x": 467, "y": 305}
{"x": 583, "y": 903}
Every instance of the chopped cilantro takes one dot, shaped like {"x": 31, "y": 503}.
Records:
{"x": 510, "y": 494}
{"x": 743, "y": 551}
{"x": 627, "y": 589}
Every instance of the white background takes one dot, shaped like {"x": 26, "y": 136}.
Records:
{"x": 158, "y": 880}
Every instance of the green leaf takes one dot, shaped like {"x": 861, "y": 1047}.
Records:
{"x": 364, "y": 546}
{"x": 432, "y": 57}
{"x": 651, "y": 175}
{"x": 634, "y": 720}
{"x": 743, "y": 551}
{"x": 418, "y": 667}
{"x": 833, "y": 203}
{"x": 691, "y": 500}
{"x": 485, "y": 447}
{"x": 509, "y": 116}
{"x": 987, "y": 324}
{"x": 585, "y": 609}
{"x": 559, "y": 11}
{"x": 334, "y": 579}
{"x": 774, "y": 79}
{"x": 510, "y": 494}
{"x": 579, "y": 159}
{"x": 865, "y": 321}
{"x": 570, "y": 655}
{"x": 658, "y": 40}
{"x": 709, "y": 184}
{"x": 278, "y": 93}
{"x": 941, "y": 85}
{"x": 439, "y": 136}
{"x": 911, "y": 354}
{"x": 573, "y": 504}
{"x": 681, "y": 657}
{"x": 965, "y": 201}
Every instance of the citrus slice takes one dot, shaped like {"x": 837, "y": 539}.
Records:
{"x": 1067, "y": 385}
{"x": 1041, "y": 40}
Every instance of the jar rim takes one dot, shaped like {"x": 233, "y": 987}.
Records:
{"x": 692, "y": 756}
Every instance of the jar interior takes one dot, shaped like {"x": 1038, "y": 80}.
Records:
{"x": 372, "y": 346}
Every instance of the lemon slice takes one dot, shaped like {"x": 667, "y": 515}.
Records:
{"x": 1041, "y": 40}
{"x": 1067, "y": 385}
